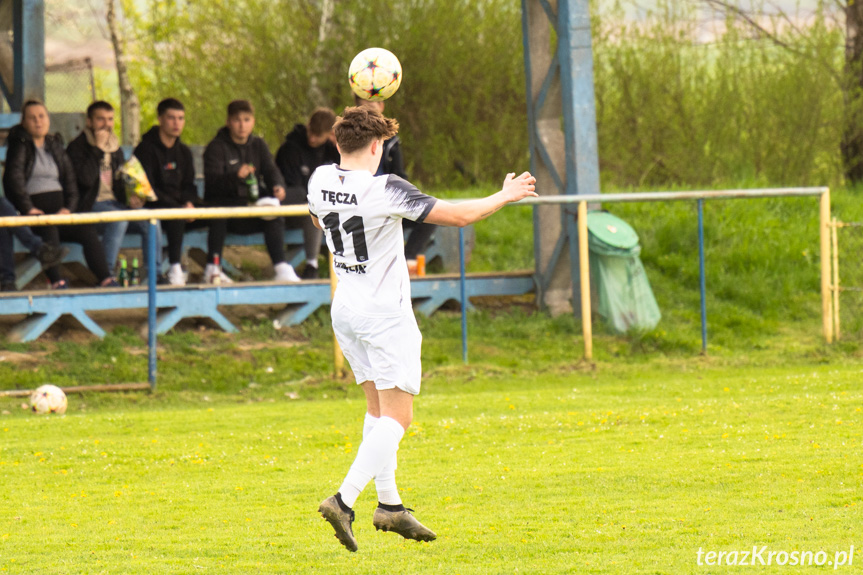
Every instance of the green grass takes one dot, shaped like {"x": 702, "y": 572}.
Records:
{"x": 527, "y": 459}
{"x": 618, "y": 469}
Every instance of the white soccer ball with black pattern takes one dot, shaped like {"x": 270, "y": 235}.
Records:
{"x": 48, "y": 399}
{"x": 375, "y": 74}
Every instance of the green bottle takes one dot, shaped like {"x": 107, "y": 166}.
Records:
{"x": 135, "y": 274}
{"x": 123, "y": 279}
{"x": 252, "y": 182}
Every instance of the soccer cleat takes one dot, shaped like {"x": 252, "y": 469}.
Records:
{"x": 340, "y": 520}
{"x": 403, "y": 523}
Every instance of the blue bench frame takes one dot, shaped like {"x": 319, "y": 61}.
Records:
{"x": 44, "y": 308}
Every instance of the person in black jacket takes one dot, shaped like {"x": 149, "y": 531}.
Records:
{"x": 238, "y": 171}
{"x": 169, "y": 166}
{"x": 305, "y": 148}
{"x": 392, "y": 162}
{"x": 39, "y": 179}
{"x": 97, "y": 157}
{"x": 47, "y": 254}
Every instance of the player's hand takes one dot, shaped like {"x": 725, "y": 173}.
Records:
{"x": 35, "y": 212}
{"x": 516, "y": 188}
{"x": 136, "y": 202}
{"x": 63, "y": 211}
{"x": 245, "y": 170}
{"x": 279, "y": 193}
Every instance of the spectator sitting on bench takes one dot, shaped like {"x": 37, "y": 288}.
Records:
{"x": 39, "y": 179}
{"x": 47, "y": 254}
{"x": 169, "y": 166}
{"x": 96, "y": 156}
{"x": 305, "y": 148}
{"x": 238, "y": 171}
{"x": 392, "y": 162}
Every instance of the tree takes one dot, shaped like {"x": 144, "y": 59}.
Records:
{"x": 130, "y": 107}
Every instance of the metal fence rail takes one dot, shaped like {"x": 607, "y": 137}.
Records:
{"x": 830, "y": 305}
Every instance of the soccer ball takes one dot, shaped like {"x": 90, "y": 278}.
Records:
{"x": 48, "y": 399}
{"x": 375, "y": 74}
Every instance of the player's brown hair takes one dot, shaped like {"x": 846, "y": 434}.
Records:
{"x": 321, "y": 121}
{"x": 358, "y": 126}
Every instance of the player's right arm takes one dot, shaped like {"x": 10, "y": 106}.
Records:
{"x": 465, "y": 213}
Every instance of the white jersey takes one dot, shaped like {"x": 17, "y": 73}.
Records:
{"x": 362, "y": 219}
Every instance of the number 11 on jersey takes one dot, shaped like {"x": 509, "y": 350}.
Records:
{"x": 354, "y": 227}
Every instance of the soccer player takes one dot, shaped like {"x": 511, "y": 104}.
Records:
{"x": 361, "y": 215}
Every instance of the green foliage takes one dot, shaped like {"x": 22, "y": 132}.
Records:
{"x": 675, "y": 111}
{"x": 671, "y": 109}
{"x": 208, "y": 53}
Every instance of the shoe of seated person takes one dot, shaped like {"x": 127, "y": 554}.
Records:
{"x": 403, "y": 523}
{"x": 310, "y": 273}
{"x": 109, "y": 283}
{"x": 211, "y": 272}
{"x": 8, "y": 286}
{"x": 285, "y": 273}
{"x": 50, "y": 255}
{"x": 176, "y": 276}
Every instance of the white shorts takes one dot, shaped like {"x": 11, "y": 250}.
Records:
{"x": 385, "y": 350}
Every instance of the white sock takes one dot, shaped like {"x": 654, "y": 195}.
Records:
{"x": 369, "y": 424}
{"x": 312, "y": 263}
{"x": 375, "y": 453}
{"x": 385, "y": 481}
{"x": 283, "y": 267}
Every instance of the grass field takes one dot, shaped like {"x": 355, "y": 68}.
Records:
{"x": 617, "y": 469}
{"x": 526, "y": 460}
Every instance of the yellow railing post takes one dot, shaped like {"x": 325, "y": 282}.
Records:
{"x": 834, "y": 232}
{"x": 338, "y": 356}
{"x": 826, "y": 307}
{"x": 584, "y": 270}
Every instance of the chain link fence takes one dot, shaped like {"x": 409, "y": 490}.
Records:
{"x": 70, "y": 86}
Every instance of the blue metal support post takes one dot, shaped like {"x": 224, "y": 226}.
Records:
{"x": 564, "y": 161}
{"x": 152, "y": 259}
{"x": 28, "y": 52}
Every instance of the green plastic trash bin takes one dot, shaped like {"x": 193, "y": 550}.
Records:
{"x": 626, "y": 301}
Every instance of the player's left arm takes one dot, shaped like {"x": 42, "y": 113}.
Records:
{"x": 465, "y": 213}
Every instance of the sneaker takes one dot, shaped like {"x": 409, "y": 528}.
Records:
{"x": 210, "y": 273}
{"x": 285, "y": 273}
{"x": 403, "y": 523}
{"x": 50, "y": 255}
{"x": 110, "y": 283}
{"x": 340, "y": 520}
{"x": 176, "y": 275}
{"x": 310, "y": 273}
{"x": 8, "y": 286}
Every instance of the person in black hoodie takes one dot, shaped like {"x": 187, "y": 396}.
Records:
{"x": 171, "y": 171}
{"x": 97, "y": 157}
{"x": 392, "y": 162}
{"x": 40, "y": 179}
{"x": 305, "y": 148}
{"x": 238, "y": 171}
